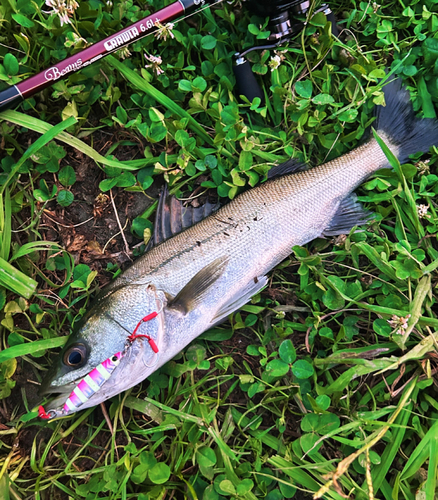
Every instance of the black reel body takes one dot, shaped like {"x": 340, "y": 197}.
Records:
{"x": 282, "y": 14}
{"x": 285, "y": 20}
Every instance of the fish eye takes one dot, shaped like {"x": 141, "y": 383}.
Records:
{"x": 75, "y": 356}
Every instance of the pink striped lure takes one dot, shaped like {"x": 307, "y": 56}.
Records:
{"x": 88, "y": 386}
{"x": 92, "y": 382}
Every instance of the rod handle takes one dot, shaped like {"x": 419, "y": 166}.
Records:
{"x": 10, "y": 97}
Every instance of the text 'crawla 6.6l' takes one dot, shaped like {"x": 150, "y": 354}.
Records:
{"x": 194, "y": 279}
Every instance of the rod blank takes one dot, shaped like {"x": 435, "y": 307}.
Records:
{"x": 15, "y": 94}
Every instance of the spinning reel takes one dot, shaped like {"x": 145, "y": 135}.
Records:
{"x": 284, "y": 22}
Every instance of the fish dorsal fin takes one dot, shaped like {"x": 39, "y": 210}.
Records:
{"x": 349, "y": 214}
{"x": 173, "y": 217}
{"x": 291, "y": 166}
{"x": 240, "y": 299}
{"x": 196, "y": 289}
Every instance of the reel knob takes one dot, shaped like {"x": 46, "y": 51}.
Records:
{"x": 247, "y": 84}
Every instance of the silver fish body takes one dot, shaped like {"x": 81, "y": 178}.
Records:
{"x": 201, "y": 275}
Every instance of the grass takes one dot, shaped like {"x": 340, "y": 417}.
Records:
{"x": 324, "y": 384}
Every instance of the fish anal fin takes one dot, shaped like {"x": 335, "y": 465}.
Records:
{"x": 194, "y": 292}
{"x": 240, "y": 299}
{"x": 349, "y": 214}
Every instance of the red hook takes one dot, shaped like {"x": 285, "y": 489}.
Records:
{"x": 134, "y": 334}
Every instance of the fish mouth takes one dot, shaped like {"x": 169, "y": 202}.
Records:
{"x": 55, "y": 407}
{"x": 47, "y": 388}
{"x": 130, "y": 371}
{"x": 57, "y": 395}
{"x": 57, "y": 404}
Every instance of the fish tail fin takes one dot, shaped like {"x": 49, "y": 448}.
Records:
{"x": 398, "y": 122}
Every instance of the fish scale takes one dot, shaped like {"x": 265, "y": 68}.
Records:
{"x": 265, "y": 215}
{"x": 199, "y": 276}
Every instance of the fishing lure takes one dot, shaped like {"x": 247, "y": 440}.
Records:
{"x": 92, "y": 382}
{"x": 89, "y": 385}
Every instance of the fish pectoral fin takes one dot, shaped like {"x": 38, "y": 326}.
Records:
{"x": 350, "y": 213}
{"x": 196, "y": 289}
{"x": 239, "y": 299}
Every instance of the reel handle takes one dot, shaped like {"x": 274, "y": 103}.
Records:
{"x": 247, "y": 84}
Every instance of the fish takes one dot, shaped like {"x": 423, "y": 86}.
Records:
{"x": 201, "y": 271}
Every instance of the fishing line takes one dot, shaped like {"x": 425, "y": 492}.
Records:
{"x": 196, "y": 12}
{"x": 134, "y": 335}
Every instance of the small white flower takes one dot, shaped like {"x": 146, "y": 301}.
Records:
{"x": 72, "y": 5}
{"x": 423, "y": 167}
{"x": 124, "y": 53}
{"x": 275, "y": 62}
{"x": 422, "y": 211}
{"x": 399, "y": 324}
{"x": 109, "y": 3}
{"x": 164, "y": 31}
{"x": 63, "y": 8}
{"x": 155, "y": 63}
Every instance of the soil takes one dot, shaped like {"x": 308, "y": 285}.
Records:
{"x": 89, "y": 228}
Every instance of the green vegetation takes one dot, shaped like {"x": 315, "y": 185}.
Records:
{"x": 326, "y": 382}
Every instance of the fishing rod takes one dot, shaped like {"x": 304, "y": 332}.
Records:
{"x": 285, "y": 22}
{"x": 17, "y": 93}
